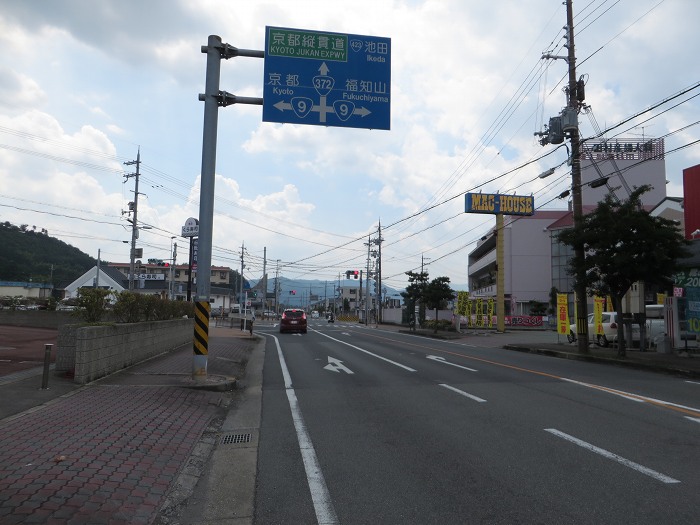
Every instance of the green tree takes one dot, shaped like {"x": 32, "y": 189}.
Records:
{"x": 93, "y": 303}
{"x": 624, "y": 244}
{"x": 553, "y": 292}
{"x": 417, "y": 281}
{"x": 436, "y": 294}
{"x": 537, "y": 307}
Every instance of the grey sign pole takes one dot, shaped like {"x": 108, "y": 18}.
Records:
{"x": 213, "y": 98}
{"x": 206, "y": 207}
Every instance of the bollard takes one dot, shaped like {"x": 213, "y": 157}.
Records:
{"x": 47, "y": 364}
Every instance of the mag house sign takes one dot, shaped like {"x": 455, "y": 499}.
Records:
{"x": 499, "y": 204}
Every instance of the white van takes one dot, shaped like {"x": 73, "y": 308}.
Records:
{"x": 609, "y": 330}
{"x": 655, "y": 327}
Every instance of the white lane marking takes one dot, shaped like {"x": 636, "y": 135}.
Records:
{"x": 693, "y": 382}
{"x": 696, "y": 419}
{"x": 368, "y": 352}
{"x": 336, "y": 365}
{"x": 462, "y": 393}
{"x": 626, "y": 462}
{"x": 321, "y": 498}
{"x": 442, "y": 360}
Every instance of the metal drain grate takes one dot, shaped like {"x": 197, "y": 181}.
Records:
{"x": 234, "y": 439}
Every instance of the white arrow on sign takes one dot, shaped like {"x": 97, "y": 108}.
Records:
{"x": 335, "y": 365}
{"x": 442, "y": 360}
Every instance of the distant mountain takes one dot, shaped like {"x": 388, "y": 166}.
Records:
{"x": 314, "y": 287}
{"x": 30, "y": 255}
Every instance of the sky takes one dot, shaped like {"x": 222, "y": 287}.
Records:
{"x": 85, "y": 86}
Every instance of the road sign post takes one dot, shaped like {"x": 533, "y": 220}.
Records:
{"x": 327, "y": 79}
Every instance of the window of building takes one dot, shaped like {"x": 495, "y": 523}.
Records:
{"x": 562, "y": 280}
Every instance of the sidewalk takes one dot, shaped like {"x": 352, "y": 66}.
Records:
{"x": 108, "y": 452}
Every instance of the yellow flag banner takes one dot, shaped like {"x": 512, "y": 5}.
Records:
{"x": 462, "y": 302}
{"x": 598, "y": 305}
{"x": 490, "y": 308}
{"x": 660, "y": 298}
{"x": 480, "y": 312}
{"x": 562, "y": 314}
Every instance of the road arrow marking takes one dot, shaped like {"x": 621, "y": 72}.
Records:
{"x": 442, "y": 360}
{"x": 336, "y": 365}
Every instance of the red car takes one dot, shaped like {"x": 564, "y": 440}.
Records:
{"x": 293, "y": 320}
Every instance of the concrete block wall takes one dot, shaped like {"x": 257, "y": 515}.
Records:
{"x": 98, "y": 351}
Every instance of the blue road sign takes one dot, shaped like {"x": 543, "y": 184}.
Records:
{"x": 327, "y": 79}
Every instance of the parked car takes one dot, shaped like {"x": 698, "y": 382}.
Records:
{"x": 293, "y": 320}
{"x": 609, "y": 334}
{"x": 314, "y": 314}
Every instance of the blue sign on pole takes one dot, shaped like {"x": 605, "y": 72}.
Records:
{"x": 327, "y": 79}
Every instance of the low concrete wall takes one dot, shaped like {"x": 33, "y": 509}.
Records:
{"x": 91, "y": 352}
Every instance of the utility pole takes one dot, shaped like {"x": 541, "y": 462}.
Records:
{"x": 369, "y": 295}
{"x": 173, "y": 254}
{"x": 380, "y": 304}
{"x": 277, "y": 274}
{"x": 97, "y": 273}
{"x": 360, "y": 303}
{"x": 241, "y": 279}
{"x": 264, "y": 290}
{"x": 579, "y": 252}
{"x": 567, "y": 122}
{"x": 134, "y": 227}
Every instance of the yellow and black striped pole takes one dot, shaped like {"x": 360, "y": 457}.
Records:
{"x": 200, "y": 343}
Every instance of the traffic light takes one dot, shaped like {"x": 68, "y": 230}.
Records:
{"x": 255, "y": 294}
{"x": 292, "y": 292}
{"x": 376, "y": 286}
{"x": 352, "y": 274}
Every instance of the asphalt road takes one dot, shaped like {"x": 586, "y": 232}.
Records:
{"x": 362, "y": 426}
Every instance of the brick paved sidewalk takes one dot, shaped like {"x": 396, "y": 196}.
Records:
{"x": 108, "y": 453}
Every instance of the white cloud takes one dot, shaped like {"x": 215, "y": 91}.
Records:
{"x": 98, "y": 81}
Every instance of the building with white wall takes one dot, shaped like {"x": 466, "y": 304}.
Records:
{"x": 535, "y": 261}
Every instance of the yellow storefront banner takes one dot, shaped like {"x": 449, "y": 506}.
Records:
{"x": 598, "y": 305}
{"x": 562, "y": 314}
